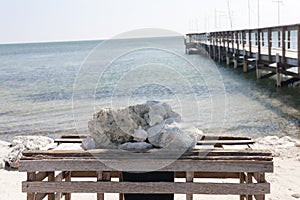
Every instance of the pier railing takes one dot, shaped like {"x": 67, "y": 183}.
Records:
{"x": 272, "y": 49}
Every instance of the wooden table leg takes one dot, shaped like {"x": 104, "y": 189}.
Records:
{"x": 100, "y": 196}
{"x": 260, "y": 178}
{"x": 189, "y": 178}
{"x": 121, "y": 195}
{"x": 51, "y": 178}
{"x": 242, "y": 180}
{"x": 249, "y": 180}
{"x": 68, "y": 176}
{"x": 31, "y": 177}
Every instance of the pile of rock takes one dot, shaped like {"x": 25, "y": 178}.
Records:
{"x": 142, "y": 126}
{"x": 12, "y": 152}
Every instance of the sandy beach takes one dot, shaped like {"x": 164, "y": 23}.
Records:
{"x": 285, "y": 181}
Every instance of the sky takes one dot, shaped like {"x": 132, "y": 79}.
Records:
{"x": 69, "y": 20}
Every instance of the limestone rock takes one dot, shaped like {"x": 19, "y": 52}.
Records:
{"x": 22, "y": 143}
{"x": 135, "y": 146}
{"x": 4, "y": 147}
{"x": 154, "y": 122}
{"x": 111, "y": 127}
{"x": 140, "y": 135}
{"x": 88, "y": 143}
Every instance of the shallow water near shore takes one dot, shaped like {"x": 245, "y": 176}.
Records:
{"x": 37, "y": 86}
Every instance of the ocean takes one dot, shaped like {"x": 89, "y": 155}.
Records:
{"x": 54, "y": 88}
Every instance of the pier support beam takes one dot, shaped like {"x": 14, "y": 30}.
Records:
{"x": 227, "y": 59}
{"x": 258, "y": 70}
{"x": 278, "y": 75}
{"x": 298, "y": 48}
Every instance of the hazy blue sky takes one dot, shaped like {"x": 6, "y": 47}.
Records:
{"x": 58, "y": 20}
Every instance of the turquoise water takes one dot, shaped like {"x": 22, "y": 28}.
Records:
{"x": 54, "y": 88}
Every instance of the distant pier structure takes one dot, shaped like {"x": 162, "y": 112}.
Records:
{"x": 270, "y": 51}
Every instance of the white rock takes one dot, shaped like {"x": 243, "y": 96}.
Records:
{"x": 155, "y": 118}
{"x": 21, "y": 143}
{"x": 135, "y": 146}
{"x": 140, "y": 135}
{"x": 2, "y": 164}
{"x": 4, "y": 148}
{"x": 14, "y": 155}
{"x": 32, "y": 142}
{"x": 88, "y": 143}
{"x": 169, "y": 135}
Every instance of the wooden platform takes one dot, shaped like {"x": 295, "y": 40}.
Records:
{"x": 51, "y": 173}
{"x": 255, "y": 49}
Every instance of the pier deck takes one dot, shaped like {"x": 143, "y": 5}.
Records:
{"x": 271, "y": 51}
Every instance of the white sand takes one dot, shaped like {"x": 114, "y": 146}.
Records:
{"x": 285, "y": 181}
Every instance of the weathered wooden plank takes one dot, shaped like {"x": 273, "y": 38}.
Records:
{"x": 81, "y": 153}
{"x": 147, "y": 187}
{"x": 115, "y": 174}
{"x": 195, "y": 157}
{"x": 40, "y": 196}
{"x": 249, "y": 180}
{"x": 51, "y": 178}
{"x": 209, "y": 175}
{"x": 31, "y": 176}
{"x": 156, "y": 154}
{"x": 60, "y": 176}
{"x": 100, "y": 196}
{"x": 242, "y": 180}
{"x": 41, "y": 176}
{"x": 74, "y": 136}
{"x": 231, "y": 142}
{"x": 189, "y": 179}
{"x": 68, "y": 178}
{"x": 178, "y": 165}
{"x": 68, "y": 140}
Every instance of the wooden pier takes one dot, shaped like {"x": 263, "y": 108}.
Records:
{"x": 270, "y": 51}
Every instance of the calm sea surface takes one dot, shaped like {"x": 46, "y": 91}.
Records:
{"x": 54, "y": 88}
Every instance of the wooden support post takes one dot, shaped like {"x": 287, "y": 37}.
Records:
{"x": 270, "y": 44}
{"x": 260, "y": 177}
{"x": 121, "y": 195}
{"x": 237, "y": 44}
{"x": 245, "y": 63}
{"x": 242, "y": 180}
{"x": 243, "y": 39}
{"x": 232, "y": 41}
{"x": 262, "y": 38}
{"x": 68, "y": 177}
{"x": 249, "y": 180}
{"x": 279, "y": 42}
{"x": 31, "y": 176}
{"x": 219, "y": 49}
{"x": 235, "y": 63}
{"x": 100, "y": 196}
{"x": 288, "y": 39}
{"x": 258, "y": 70}
{"x": 258, "y": 45}
{"x": 298, "y": 48}
{"x": 51, "y": 178}
{"x": 278, "y": 75}
{"x": 223, "y": 38}
{"x": 283, "y": 49}
{"x": 189, "y": 178}
{"x": 227, "y": 35}
{"x": 250, "y": 43}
